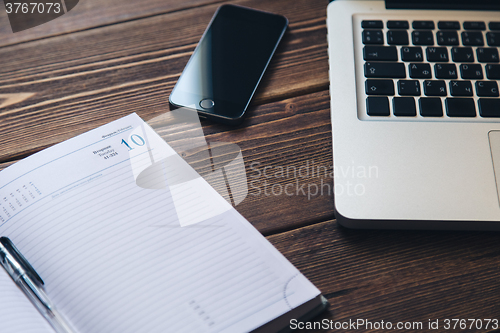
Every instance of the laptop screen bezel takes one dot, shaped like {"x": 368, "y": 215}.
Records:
{"x": 443, "y": 4}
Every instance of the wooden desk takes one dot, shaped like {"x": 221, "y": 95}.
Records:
{"x": 106, "y": 59}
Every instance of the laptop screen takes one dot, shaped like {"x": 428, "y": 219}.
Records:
{"x": 443, "y": 4}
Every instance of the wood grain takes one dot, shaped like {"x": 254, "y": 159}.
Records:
{"x": 85, "y": 79}
{"x": 398, "y": 275}
{"x": 90, "y": 14}
{"x": 6, "y": 164}
{"x": 287, "y": 149}
{"x": 287, "y": 152}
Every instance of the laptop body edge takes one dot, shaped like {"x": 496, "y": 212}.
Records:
{"x": 420, "y": 191}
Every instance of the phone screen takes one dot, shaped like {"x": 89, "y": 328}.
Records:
{"x": 226, "y": 67}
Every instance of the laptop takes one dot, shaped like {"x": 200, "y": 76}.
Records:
{"x": 415, "y": 112}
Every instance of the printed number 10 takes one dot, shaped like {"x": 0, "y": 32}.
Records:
{"x": 136, "y": 139}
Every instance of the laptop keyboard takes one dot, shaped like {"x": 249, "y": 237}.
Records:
{"x": 426, "y": 68}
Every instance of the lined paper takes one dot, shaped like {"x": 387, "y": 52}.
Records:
{"x": 128, "y": 238}
{"x": 17, "y": 314}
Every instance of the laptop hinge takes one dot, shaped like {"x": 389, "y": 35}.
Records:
{"x": 443, "y": 4}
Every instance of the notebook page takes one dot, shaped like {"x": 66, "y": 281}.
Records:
{"x": 17, "y": 314}
{"x": 128, "y": 239}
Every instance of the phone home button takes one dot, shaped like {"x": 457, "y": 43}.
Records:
{"x": 207, "y": 103}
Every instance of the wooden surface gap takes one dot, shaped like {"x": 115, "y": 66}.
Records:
{"x": 296, "y": 227}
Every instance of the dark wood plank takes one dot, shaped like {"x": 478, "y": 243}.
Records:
{"x": 398, "y": 276}
{"x": 287, "y": 152}
{"x": 89, "y": 14}
{"x": 287, "y": 149}
{"x": 80, "y": 81}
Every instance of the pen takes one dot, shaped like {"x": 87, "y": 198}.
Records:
{"x": 31, "y": 284}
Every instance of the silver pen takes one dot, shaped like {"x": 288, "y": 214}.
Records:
{"x": 31, "y": 284}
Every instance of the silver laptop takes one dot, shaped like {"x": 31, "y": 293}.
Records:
{"x": 415, "y": 113}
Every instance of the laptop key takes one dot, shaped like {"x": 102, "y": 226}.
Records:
{"x": 420, "y": 71}
{"x": 434, "y": 88}
{"x": 412, "y": 54}
{"x": 474, "y": 26}
{"x": 462, "y": 54}
{"x": 460, "y": 88}
{"x": 397, "y": 37}
{"x": 398, "y": 25}
{"x": 385, "y": 70}
{"x": 404, "y": 107}
{"x": 489, "y": 107}
{"x": 471, "y": 71}
{"x": 487, "y": 89}
{"x": 472, "y": 38}
{"x": 379, "y": 87}
{"x": 372, "y": 24}
{"x": 430, "y": 107}
{"x": 449, "y": 25}
{"x": 437, "y": 54}
{"x": 409, "y": 87}
{"x": 460, "y": 107}
{"x": 494, "y": 26}
{"x": 422, "y": 37}
{"x": 445, "y": 71}
{"x": 493, "y": 72}
{"x": 447, "y": 37}
{"x": 423, "y": 25}
{"x": 377, "y": 106}
{"x": 383, "y": 53}
{"x": 487, "y": 54}
{"x": 493, "y": 38}
{"x": 373, "y": 37}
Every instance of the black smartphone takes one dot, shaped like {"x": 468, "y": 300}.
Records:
{"x": 226, "y": 67}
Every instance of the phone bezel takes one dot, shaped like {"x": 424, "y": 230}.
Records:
{"x": 244, "y": 106}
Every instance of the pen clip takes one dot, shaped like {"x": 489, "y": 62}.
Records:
{"x": 21, "y": 260}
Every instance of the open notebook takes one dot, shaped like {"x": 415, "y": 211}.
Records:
{"x": 128, "y": 238}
